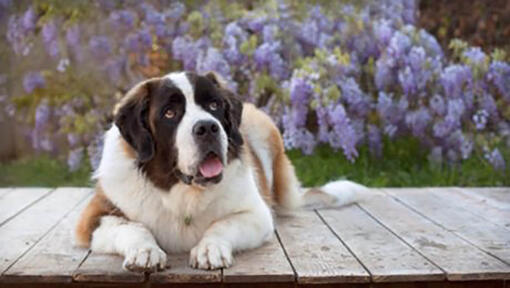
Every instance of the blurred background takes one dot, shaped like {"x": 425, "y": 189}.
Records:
{"x": 386, "y": 93}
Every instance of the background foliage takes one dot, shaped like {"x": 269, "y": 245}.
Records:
{"x": 349, "y": 76}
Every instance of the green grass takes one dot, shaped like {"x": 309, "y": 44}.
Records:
{"x": 404, "y": 164}
{"x": 41, "y": 171}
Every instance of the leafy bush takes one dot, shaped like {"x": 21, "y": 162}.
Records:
{"x": 344, "y": 74}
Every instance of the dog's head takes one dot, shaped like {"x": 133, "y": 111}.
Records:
{"x": 182, "y": 126}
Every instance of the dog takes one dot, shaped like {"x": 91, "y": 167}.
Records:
{"x": 188, "y": 167}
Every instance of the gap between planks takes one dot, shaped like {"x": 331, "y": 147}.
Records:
{"x": 452, "y": 216}
{"x": 384, "y": 255}
{"x": 11, "y": 204}
{"x": 446, "y": 250}
{"x": 16, "y": 242}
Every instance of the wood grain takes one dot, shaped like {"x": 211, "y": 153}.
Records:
{"x": 477, "y": 206}
{"x": 105, "y": 268}
{"x": 27, "y": 228}
{"x": 493, "y": 197}
{"x": 455, "y": 216}
{"x": 387, "y": 257}
{"x": 18, "y": 199}
{"x": 265, "y": 264}
{"x": 316, "y": 254}
{"x": 55, "y": 257}
{"x": 181, "y": 272}
{"x": 460, "y": 259}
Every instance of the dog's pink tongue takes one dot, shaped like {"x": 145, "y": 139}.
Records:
{"x": 211, "y": 167}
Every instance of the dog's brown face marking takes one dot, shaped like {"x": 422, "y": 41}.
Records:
{"x": 149, "y": 115}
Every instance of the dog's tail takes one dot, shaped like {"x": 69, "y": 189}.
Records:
{"x": 333, "y": 194}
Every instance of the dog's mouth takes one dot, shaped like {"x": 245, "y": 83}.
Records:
{"x": 211, "y": 166}
{"x": 210, "y": 169}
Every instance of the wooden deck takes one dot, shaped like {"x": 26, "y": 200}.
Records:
{"x": 436, "y": 237}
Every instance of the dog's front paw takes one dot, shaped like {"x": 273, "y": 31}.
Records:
{"x": 211, "y": 254}
{"x": 145, "y": 259}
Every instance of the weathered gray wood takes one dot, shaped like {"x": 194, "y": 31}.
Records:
{"x": 265, "y": 264}
{"x": 181, "y": 272}
{"x": 444, "y": 211}
{"x": 18, "y": 199}
{"x": 386, "y": 257}
{"x": 4, "y": 191}
{"x": 316, "y": 254}
{"x": 27, "y": 228}
{"x": 460, "y": 259}
{"x": 495, "y": 197}
{"x": 476, "y": 205}
{"x": 54, "y": 258}
{"x": 99, "y": 267}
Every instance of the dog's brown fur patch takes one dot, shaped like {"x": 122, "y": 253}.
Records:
{"x": 89, "y": 220}
{"x": 284, "y": 182}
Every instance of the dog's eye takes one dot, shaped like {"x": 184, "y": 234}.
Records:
{"x": 213, "y": 106}
{"x": 169, "y": 114}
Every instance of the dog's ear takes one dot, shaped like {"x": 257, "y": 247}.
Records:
{"x": 233, "y": 109}
{"x": 131, "y": 116}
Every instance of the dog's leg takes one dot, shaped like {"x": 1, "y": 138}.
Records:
{"x": 130, "y": 239}
{"x": 235, "y": 232}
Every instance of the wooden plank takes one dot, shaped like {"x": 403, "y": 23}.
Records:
{"x": 388, "y": 258}
{"x": 477, "y": 206}
{"x": 495, "y": 197}
{"x": 99, "y": 267}
{"x": 458, "y": 258}
{"x": 4, "y": 191}
{"x": 18, "y": 199}
{"x": 181, "y": 272}
{"x": 26, "y": 229}
{"x": 265, "y": 264}
{"x": 441, "y": 209}
{"x": 316, "y": 254}
{"x": 54, "y": 258}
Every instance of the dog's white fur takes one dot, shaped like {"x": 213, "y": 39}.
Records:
{"x": 229, "y": 216}
{"x": 211, "y": 223}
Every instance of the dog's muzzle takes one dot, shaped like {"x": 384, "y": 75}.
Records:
{"x": 206, "y": 134}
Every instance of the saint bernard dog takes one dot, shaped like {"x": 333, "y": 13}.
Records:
{"x": 187, "y": 167}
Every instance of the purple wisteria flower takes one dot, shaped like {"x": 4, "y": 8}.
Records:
{"x": 100, "y": 46}
{"x": 232, "y": 40}
{"x": 342, "y": 135}
{"x": 185, "y": 50}
{"x": 268, "y": 55}
{"x": 499, "y": 75}
{"x": 32, "y": 81}
{"x": 75, "y": 158}
{"x": 123, "y": 19}
{"x": 418, "y": 121}
{"x": 50, "y": 38}
{"x": 212, "y": 60}
{"x": 343, "y": 77}
{"x": 374, "y": 140}
{"x": 495, "y": 158}
{"x": 40, "y": 140}
{"x": 29, "y": 20}
{"x": 454, "y": 78}
{"x": 95, "y": 150}
{"x": 475, "y": 56}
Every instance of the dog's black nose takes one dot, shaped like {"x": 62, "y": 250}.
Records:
{"x": 205, "y": 127}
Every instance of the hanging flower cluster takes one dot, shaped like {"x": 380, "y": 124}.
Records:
{"x": 340, "y": 74}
